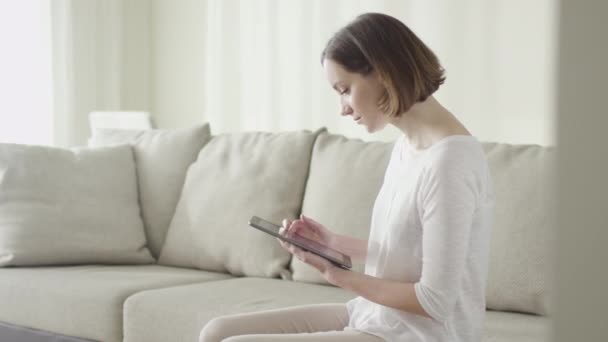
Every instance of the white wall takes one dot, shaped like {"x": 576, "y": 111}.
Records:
{"x": 500, "y": 69}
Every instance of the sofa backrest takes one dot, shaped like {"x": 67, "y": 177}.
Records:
{"x": 346, "y": 175}
{"x": 162, "y": 158}
{"x": 342, "y": 184}
{"x": 344, "y": 179}
{"x": 235, "y": 177}
{"x": 521, "y": 251}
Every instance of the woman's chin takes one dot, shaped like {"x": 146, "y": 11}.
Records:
{"x": 375, "y": 128}
{"x": 370, "y": 129}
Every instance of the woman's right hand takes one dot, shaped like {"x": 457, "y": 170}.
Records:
{"x": 310, "y": 229}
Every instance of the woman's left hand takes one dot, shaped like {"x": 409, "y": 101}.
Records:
{"x": 322, "y": 265}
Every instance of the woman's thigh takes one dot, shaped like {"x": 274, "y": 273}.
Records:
{"x": 294, "y": 320}
{"x": 329, "y": 336}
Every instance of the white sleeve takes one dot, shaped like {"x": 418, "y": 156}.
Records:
{"x": 449, "y": 197}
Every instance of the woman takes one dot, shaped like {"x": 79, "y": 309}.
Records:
{"x": 426, "y": 258}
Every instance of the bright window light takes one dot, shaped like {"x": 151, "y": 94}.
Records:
{"x": 26, "y": 83}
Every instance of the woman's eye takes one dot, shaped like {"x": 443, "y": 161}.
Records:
{"x": 345, "y": 91}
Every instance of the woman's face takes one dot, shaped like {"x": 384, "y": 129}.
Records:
{"x": 359, "y": 95}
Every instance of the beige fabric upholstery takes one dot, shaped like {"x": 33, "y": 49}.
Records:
{"x": 264, "y": 174}
{"x": 152, "y": 316}
{"x": 520, "y": 265}
{"x": 237, "y": 176}
{"x": 60, "y": 206}
{"x": 162, "y": 158}
{"x": 511, "y": 327}
{"x": 345, "y": 177}
{"x": 83, "y": 301}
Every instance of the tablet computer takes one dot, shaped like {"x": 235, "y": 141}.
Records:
{"x": 335, "y": 257}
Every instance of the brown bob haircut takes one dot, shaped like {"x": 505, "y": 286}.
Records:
{"x": 408, "y": 69}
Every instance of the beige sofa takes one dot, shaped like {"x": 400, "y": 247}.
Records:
{"x": 196, "y": 193}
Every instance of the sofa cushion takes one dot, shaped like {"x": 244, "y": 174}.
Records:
{"x": 83, "y": 301}
{"x": 179, "y": 313}
{"x": 61, "y": 206}
{"x": 510, "y": 327}
{"x": 523, "y": 234}
{"x": 235, "y": 177}
{"x": 162, "y": 158}
{"x": 345, "y": 177}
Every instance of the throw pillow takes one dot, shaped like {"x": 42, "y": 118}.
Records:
{"x": 162, "y": 158}
{"x": 60, "y": 206}
{"x": 236, "y": 176}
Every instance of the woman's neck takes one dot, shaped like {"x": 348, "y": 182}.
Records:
{"x": 428, "y": 122}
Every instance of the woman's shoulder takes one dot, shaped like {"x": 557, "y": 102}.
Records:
{"x": 457, "y": 156}
{"x": 456, "y": 149}
{"x": 460, "y": 164}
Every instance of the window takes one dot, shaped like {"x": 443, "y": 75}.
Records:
{"x": 26, "y": 97}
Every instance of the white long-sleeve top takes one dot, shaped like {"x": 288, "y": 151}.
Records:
{"x": 431, "y": 226}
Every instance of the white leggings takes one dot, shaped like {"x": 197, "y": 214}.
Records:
{"x": 318, "y": 322}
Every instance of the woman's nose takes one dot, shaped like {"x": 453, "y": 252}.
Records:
{"x": 345, "y": 110}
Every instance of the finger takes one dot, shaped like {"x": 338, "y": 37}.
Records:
{"x": 299, "y": 256}
{"x": 284, "y": 230}
{"x": 282, "y": 243}
{"x": 310, "y": 221}
{"x": 295, "y": 227}
{"x": 303, "y": 227}
{"x": 295, "y": 251}
{"x": 315, "y": 261}
{"x": 299, "y": 253}
{"x": 287, "y": 246}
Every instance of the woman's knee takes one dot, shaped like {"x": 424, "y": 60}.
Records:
{"x": 216, "y": 330}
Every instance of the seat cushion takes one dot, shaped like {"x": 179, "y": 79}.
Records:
{"x": 509, "y": 327}
{"x": 162, "y": 158}
{"x": 179, "y": 313}
{"x": 83, "y": 301}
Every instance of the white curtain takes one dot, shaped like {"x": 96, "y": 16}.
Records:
{"x": 98, "y": 63}
{"x": 262, "y": 69}
{"x": 25, "y": 73}
{"x": 254, "y": 64}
